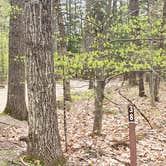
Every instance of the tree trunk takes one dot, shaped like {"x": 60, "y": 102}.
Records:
{"x": 63, "y": 50}
{"x": 16, "y": 106}
{"x": 114, "y": 9}
{"x": 91, "y": 82}
{"x": 161, "y": 45}
{"x": 98, "y": 16}
{"x": 44, "y": 140}
{"x": 151, "y": 88}
{"x": 2, "y": 67}
{"x": 133, "y": 12}
{"x": 156, "y": 87}
{"x": 141, "y": 84}
{"x": 66, "y": 93}
{"x": 99, "y": 97}
{"x": 133, "y": 79}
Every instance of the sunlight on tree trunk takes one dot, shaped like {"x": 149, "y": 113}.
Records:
{"x": 16, "y": 106}
{"x": 44, "y": 140}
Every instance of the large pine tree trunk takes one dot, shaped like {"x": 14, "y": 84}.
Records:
{"x": 16, "y": 106}
{"x": 44, "y": 140}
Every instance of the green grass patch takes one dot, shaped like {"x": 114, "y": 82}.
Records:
{"x": 3, "y": 114}
{"x": 79, "y": 95}
{"x": 109, "y": 111}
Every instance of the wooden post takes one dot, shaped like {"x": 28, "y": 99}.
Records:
{"x": 132, "y": 135}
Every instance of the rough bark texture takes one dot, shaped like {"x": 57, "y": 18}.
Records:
{"x": 99, "y": 97}
{"x": 16, "y": 106}
{"x": 141, "y": 84}
{"x": 44, "y": 140}
{"x": 63, "y": 50}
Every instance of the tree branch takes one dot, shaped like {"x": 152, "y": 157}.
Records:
{"x": 145, "y": 118}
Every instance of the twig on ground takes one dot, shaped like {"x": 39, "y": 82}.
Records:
{"x": 113, "y": 103}
{"x": 7, "y": 124}
{"x": 127, "y": 99}
{"x": 123, "y": 162}
{"x": 23, "y": 162}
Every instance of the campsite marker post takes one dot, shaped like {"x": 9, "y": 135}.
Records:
{"x": 132, "y": 135}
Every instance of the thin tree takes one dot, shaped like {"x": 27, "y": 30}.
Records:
{"x": 44, "y": 140}
{"x": 99, "y": 17}
{"x": 88, "y": 38}
{"x": 63, "y": 52}
{"x": 133, "y": 12}
{"x": 162, "y": 46}
{"x": 16, "y": 106}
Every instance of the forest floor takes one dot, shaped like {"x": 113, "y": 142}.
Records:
{"x": 111, "y": 148}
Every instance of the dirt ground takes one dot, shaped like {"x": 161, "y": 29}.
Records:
{"x": 110, "y": 149}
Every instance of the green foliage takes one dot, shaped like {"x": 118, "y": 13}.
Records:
{"x": 76, "y": 96}
{"x": 122, "y": 46}
{"x": 4, "y": 26}
{"x": 74, "y": 43}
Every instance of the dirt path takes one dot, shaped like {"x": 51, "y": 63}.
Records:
{"x": 3, "y": 98}
{"x": 76, "y": 85}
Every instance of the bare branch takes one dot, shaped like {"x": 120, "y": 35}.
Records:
{"x": 140, "y": 112}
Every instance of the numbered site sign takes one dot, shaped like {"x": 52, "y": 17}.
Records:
{"x": 131, "y": 113}
{"x": 132, "y": 135}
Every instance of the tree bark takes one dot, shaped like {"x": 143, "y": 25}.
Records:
{"x": 156, "y": 87}
{"x": 16, "y": 106}
{"x": 91, "y": 82}
{"x": 2, "y": 67}
{"x": 141, "y": 84}
{"x": 133, "y": 78}
{"x": 100, "y": 19}
{"x": 99, "y": 97}
{"x": 44, "y": 140}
